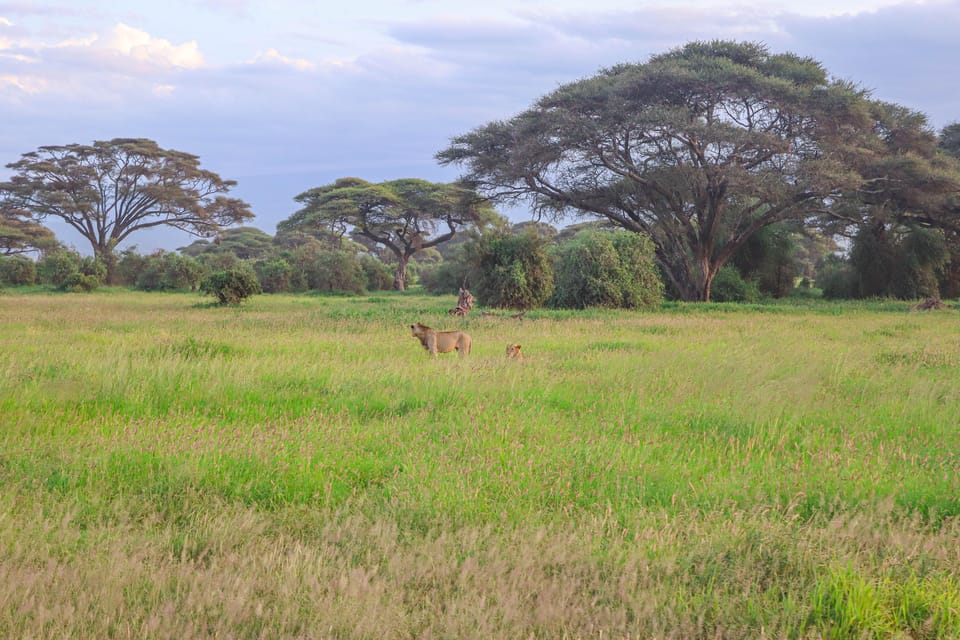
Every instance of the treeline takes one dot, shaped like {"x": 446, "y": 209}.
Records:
{"x": 521, "y": 266}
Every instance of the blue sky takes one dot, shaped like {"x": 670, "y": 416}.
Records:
{"x": 282, "y": 95}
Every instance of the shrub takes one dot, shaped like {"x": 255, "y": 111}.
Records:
{"x": 231, "y": 286}
{"x": 17, "y": 271}
{"x": 336, "y": 271}
{"x": 164, "y": 271}
{"x": 274, "y": 275}
{"x": 729, "y": 286}
{"x": 607, "y": 269}
{"x": 512, "y": 271}
{"x": 379, "y": 276}
{"x": 836, "y": 278}
{"x": 79, "y": 282}
{"x": 55, "y": 267}
{"x": 444, "y": 278}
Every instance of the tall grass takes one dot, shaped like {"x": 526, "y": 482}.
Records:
{"x": 300, "y": 467}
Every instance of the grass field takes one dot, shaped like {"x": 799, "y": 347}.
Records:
{"x": 298, "y": 467}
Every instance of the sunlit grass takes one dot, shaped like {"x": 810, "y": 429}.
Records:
{"x": 282, "y": 467}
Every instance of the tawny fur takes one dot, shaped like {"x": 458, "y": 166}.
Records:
{"x": 514, "y": 352}
{"x": 441, "y": 341}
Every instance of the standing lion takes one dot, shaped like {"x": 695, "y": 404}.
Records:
{"x": 441, "y": 341}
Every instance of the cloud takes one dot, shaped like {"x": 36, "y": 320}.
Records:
{"x": 273, "y": 57}
{"x": 142, "y": 47}
{"x": 287, "y": 114}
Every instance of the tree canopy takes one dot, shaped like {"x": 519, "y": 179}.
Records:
{"x": 112, "y": 189}
{"x": 404, "y": 216}
{"x": 699, "y": 148}
{"x": 20, "y": 234}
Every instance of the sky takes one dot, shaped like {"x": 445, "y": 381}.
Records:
{"x": 286, "y": 95}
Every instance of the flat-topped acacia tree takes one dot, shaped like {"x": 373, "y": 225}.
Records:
{"x": 699, "y": 148}
{"x": 404, "y": 216}
{"x": 111, "y": 189}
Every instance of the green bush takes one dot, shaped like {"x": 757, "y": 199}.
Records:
{"x": 17, "y": 271}
{"x": 164, "y": 271}
{"x": 274, "y": 275}
{"x": 836, "y": 277}
{"x": 729, "y": 286}
{"x": 55, "y": 267}
{"x": 79, "y": 282}
{"x": 512, "y": 271}
{"x": 379, "y": 276}
{"x": 607, "y": 269}
{"x": 339, "y": 271}
{"x": 231, "y": 286}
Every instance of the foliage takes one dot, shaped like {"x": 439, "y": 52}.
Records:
{"x": 607, "y": 269}
{"x": 950, "y": 139}
{"x": 730, "y": 286}
{"x": 53, "y": 268}
{"x": 274, "y": 274}
{"x": 512, "y": 271}
{"x": 80, "y": 282}
{"x": 836, "y": 278}
{"x": 402, "y": 216}
{"x": 17, "y": 271}
{"x": 247, "y": 243}
{"x": 770, "y": 258}
{"x": 903, "y": 262}
{"x": 20, "y": 234}
{"x": 379, "y": 276}
{"x": 703, "y": 146}
{"x": 339, "y": 271}
{"x": 166, "y": 271}
{"x": 231, "y": 286}
{"x": 111, "y": 189}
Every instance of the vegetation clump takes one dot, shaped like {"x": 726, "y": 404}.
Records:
{"x": 231, "y": 286}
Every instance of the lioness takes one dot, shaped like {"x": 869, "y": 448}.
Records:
{"x": 514, "y": 352}
{"x": 441, "y": 341}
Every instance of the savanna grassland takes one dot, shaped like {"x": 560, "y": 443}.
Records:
{"x": 298, "y": 467}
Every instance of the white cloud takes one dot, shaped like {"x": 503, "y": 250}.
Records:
{"x": 25, "y": 84}
{"x": 141, "y": 46}
{"x": 272, "y": 56}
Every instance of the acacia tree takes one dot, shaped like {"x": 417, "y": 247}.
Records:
{"x": 112, "y": 189}
{"x": 698, "y": 148}
{"x": 403, "y": 216}
{"x": 19, "y": 235}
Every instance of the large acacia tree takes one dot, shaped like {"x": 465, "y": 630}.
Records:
{"x": 403, "y": 216}
{"x": 112, "y": 189}
{"x": 699, "y": 148}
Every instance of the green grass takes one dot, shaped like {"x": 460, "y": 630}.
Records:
{"x": 298, "y": 466}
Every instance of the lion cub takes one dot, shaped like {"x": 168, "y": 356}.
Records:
{"x": 441, "y": 341}
{"x": 514, "y": 352}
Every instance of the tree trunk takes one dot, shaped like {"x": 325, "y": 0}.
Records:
{"x": 400, "y": 276}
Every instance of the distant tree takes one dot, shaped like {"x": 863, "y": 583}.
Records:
{"x": 699, "y": 148}
{"x": 770, "y": 258}
{"x": 274, "y": 274}
{"x": 112, "y": 189}
{"x": 403, "y": 216}
{"x": 247, "y": 243}
{"x": 950, "y": 139}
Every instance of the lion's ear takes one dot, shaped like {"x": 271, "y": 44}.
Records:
{"x": 518, "y": 347}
